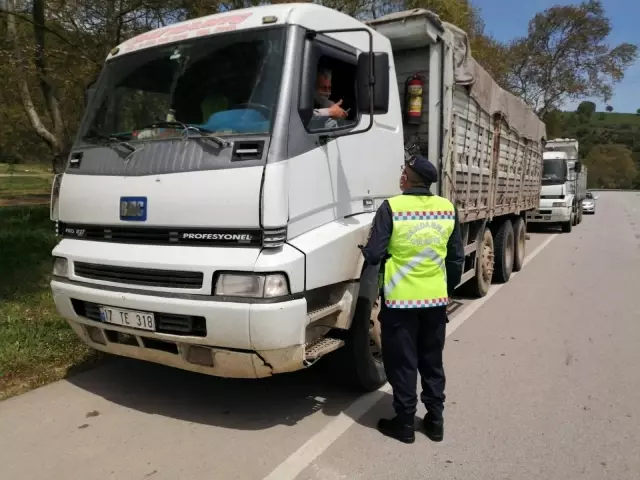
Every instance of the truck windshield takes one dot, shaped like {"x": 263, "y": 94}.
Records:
{"x": 223, "y": 84}
{"x": 554, "y": 171}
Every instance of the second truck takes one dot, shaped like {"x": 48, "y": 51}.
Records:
{"x": 564, "y": 186}
{"x": 211, "y": 222}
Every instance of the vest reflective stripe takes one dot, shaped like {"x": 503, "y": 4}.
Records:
{"x": 433, "y": 215}
{"x": 415, "y": 275}
{"x": 436, "y": 302}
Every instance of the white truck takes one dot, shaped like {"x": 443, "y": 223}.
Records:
{"x": 564, "y": 186}
{"x": 210, "y": 220}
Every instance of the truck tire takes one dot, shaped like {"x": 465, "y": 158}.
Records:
{"x": 504, "y": 252}
{"x": 580, "y": 214}
{"x": 567, "y": 226}
{"x": 479, "y": 285}
{"x": 520, "y": 242}
{"x": 358, "y": 365}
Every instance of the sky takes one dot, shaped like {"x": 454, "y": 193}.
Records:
{"x": 504, "y": 22}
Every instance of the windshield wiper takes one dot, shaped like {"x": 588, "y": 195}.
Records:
{"x": 109, "y": 140}
{"x": 203, "y": 132}
{"x": 209, "y": 135}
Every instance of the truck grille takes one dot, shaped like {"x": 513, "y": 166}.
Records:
{"x": 185, "y": 325}
{"x": 162, "y": 236}
{"x": 139, "y": 276}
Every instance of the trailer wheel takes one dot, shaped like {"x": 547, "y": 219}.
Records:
{"x": 580, "y": 214}
{"x": 504, "y": 252}
{"x": 520, "y": 238}
{"x": 358, "y": 365}
{"x": 479, "y": 287}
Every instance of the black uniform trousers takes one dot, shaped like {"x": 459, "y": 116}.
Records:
{"x": 413, "y": 341}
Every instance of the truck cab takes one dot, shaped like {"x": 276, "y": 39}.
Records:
{"x": 208, "y": 219}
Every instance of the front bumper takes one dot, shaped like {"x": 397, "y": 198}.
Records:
{"x": 588, "y": 208}
{"x": 241, "y": 340}
{"x": 550, "y": 215}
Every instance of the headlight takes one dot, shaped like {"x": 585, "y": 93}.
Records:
{"x": 60, "y": 267}
{"x": 250, "y": 285}
{"x": 559, "y": 204}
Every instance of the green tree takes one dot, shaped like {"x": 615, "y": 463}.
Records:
{"x": 50, "y": 50}
{"x": 609, "y": 108}
{"x": 555, "y": 123}
{"x": 585, "y": 111}
{"x": 611, "y": 166}
{"x": 565, "y": 56}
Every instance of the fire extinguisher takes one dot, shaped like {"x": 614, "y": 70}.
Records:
{"x": 413, "y": 89}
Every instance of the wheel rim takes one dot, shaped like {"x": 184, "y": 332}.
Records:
{"x": 487, "y": 262}
{"x": 375, "y": 334}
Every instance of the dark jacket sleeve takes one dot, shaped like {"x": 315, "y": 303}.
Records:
{"x": 376, "y": 248}
{"x": 454, "y": 262}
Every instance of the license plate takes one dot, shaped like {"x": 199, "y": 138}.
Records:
{"x": 128, "y": 318}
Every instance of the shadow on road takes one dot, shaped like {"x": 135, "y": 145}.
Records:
{"x": 228, "y": 403}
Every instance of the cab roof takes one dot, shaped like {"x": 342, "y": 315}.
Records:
{"x": 308, "y": 15}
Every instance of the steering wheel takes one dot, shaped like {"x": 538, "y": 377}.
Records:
{"x": 266, "y": 111}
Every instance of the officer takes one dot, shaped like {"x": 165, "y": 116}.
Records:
{"x": 417, "y": 238}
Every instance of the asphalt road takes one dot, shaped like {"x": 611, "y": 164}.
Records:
{"x": 543, "y": 383}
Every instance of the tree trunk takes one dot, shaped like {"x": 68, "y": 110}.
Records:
{"x": 23, "y": 87}
{"x": 48, "y": 92}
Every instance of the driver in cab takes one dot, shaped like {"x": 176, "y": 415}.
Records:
{"x": 324, "y": 109}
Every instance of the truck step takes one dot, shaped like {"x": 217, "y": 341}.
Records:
{"x": 320, "y": 347}
{"x": 323, "y": 312}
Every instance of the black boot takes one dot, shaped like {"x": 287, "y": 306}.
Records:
{"x": 399, "y": 428}
{"x": 434, "y": 428}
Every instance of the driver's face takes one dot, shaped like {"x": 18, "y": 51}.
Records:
{"x": 323, "y": 86}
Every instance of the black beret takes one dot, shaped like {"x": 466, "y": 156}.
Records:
{"x": 424, "y": 168}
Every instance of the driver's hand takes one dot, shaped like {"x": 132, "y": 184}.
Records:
{"x": 336, "y": 111}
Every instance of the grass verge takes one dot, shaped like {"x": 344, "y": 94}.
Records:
{"x": 36, "y": 345}
{"x": 25, "y": 168}
{"x": 19, "y": 185}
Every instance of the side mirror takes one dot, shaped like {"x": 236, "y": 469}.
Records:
{"x": 577, "y": 166}
{"x": 375, "y": 63}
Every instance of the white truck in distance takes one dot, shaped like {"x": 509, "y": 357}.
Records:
{"x": 211, "y": 222}
{"x": 564, "y": 186}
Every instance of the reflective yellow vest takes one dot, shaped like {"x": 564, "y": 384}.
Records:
{"x": 415, "y": 275}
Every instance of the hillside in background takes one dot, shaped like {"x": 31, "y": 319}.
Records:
{"x": 609, "y": 143}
